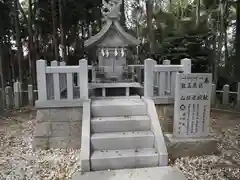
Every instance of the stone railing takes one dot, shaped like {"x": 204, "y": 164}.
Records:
{"x": 60, "y": 84}
{"x": 159, "y": 80}
{"x": 53, "y": 80}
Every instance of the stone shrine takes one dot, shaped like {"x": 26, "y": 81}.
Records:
{"x": 122, "y": 133}
{"x": 111, "y": 43}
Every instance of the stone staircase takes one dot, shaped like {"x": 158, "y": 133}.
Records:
{"x": 122, "y": 137}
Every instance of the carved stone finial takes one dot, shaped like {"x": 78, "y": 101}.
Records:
{"x": 111, "y": 10}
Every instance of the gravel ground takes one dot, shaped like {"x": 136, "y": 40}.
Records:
{"x": 225, "y": 165}
{"x": 18, "y": 161}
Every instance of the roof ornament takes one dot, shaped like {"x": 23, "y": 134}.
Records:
{"x": 122, "y": 52}
{"x": 116, "y": 52}
{"x": 111, "y": 9}
{"x": 107, "y": 53}
{"x": 103, "y": 53}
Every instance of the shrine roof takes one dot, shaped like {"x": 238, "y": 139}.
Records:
{"x": 96, "y": 39}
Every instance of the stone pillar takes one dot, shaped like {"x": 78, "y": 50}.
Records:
{"x": 149, "y": 73}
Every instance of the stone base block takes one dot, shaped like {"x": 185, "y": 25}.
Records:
{"x": 59, "y": 114}
{"x": 65, "y": 142}
{"x": 40, "y": 143}
{"x": 57, "y": 142}
{"x": 58, "y": 128}
{"x": 182, "y": 147}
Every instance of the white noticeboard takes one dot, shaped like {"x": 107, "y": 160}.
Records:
{"x": 192, "y": 105}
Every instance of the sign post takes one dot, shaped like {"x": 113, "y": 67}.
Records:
{"x": 192, "y": 105}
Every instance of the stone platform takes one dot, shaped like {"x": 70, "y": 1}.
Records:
{"x": 182, "y": 147}
{"x": 155, "y": 173}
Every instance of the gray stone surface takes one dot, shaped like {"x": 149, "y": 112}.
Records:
{"x": 40, "y": 143}
{"x": 192, "y": 105}
{"x": 65, "y": 142}
{"x": 118, "y": 107}
{"x": 154, "y": 173}
{"x": 43, "y": 129}
{"x": 120, "y": 124}
{"x": 64, "y": 129}
{"x": 122, "y": 140}
{"x": 122, "y": 159}
{"x": 182, "y": 147}
{"x": 59, "y": 114}
{"x": 58, "y": 128}
{"x": 159, "y": 142}
{"x": 85, "y": 138}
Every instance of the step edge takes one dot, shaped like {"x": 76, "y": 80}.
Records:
{"x": 131, "y": 116}
{"x": 116, "y": 120}
{"x": 148, "y": 152}
{"x": 120, "y": 135}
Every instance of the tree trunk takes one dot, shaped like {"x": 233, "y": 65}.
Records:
{"x": 123, "y": 17}
{"x": 54, "y": 25}
{"x": 237, "y": 44}
{"x": 31, "y": 59}
{"x": 149, "y": 9}
{"x": 63, "y": 35}
{"x": 36, "y": 30}
{"x": 18, "y": 42}
{"x": 2, "y": 94}
{"x": 226, "y": 53}
{"x": 220, "y": 39}
{"x": 170, "y": 6}
{"x": 198, "y": 12}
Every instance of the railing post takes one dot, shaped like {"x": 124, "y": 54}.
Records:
{"x": 139, "y": 74}
{"x": 30, "y": 95}
{"x": 56, "y": 82}
{"x": 16, "y": 89}
{"x": 213, "y": 95}
{"x": 83, "y": 79}
{"x": 149, "y": 73}
{"x": 187, "y": 64}
{"x": 225, "y": 96}
{"x": 238, "y": 96}
{"x": 166, "y": 62}
{"x": 93, "y": 74}
{"x": 9, "y": 97}
{"x": 63, "y": 78}
{"x": 168, "y": 79}
{"x": 41, "y": 80}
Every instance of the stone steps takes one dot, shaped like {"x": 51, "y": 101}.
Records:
{"x": 118, "y": 107}
{"x": 150, "y": 173}
{"x": 121, "y": 136}
{"x": 122, "y": 140}
{"x": 120, "y": 124}
{"x": 126, "y": 158}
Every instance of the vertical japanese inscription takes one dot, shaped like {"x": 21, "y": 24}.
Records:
{"x": 204, "y": 118}
{"x": 197, "y": 119}
{"x": 193, "y": 118}
{"x": 192, "y": 101}
{"x": 188, "y": 118}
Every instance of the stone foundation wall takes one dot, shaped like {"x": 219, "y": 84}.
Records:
{"x": 165, "y": 115}
{"x": 58, "y": 128}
